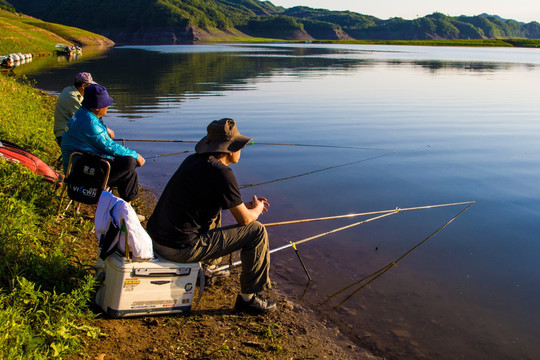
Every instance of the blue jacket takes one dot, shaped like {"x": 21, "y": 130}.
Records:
{"x": 86, "y": 132}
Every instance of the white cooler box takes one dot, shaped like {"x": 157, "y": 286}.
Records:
{"x": 133, "y": 288}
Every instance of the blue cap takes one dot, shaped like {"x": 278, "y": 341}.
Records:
{"x": 96, "y": 97}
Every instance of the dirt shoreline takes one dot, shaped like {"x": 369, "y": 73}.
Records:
{"x": 213, "y": 330}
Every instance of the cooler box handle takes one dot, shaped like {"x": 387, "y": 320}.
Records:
{"x": 183, "y": 271}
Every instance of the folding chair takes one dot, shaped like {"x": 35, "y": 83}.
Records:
{"x": 86, "y": 177}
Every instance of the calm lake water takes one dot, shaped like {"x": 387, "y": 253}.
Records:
{"x": 429, "y": 125}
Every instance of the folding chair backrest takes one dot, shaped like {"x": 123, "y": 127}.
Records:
{"x": 87, "y": 175}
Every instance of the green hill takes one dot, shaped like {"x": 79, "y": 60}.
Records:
{"x": 181, "y": 21}
{"x": 21, "y": 33}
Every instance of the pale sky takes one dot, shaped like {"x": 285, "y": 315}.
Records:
{"x": 519, "y": 10}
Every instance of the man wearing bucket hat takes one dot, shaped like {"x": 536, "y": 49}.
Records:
{"x": 185, "y": 225}
{"x": 68, "y": 102}
{"x": 86, "y": 132}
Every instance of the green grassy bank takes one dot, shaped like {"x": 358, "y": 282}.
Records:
{"x": 44, "y": 286}
{"x": 25, "y": 34}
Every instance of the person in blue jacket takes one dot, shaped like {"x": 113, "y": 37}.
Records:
{"x": 86, "y": 132}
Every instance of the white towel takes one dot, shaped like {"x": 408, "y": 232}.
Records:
{"x": 140, "y": 243}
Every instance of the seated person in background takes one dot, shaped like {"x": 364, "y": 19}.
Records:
{"x": 86, "y": 132}
{"x": 182, "y": 226}
{"x": 69, "y": 101}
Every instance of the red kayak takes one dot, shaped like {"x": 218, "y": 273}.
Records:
{"x": 16, "y": 154}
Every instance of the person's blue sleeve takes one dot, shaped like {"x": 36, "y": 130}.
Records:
{"x": 104, "y": 143}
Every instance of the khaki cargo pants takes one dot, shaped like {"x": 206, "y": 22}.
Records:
{"x": 251, "y": 240}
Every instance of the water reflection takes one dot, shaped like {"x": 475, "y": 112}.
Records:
{"x": 150, "y": 79}
{"x": 367, "y": 280}
{"x": 43, "y": 65}
{"x": 169, "y": 78}
{"x": 433, "y": 66}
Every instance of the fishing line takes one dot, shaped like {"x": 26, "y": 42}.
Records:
{"x": 374, "y": 276}
{"x": 258, "y": 143}
{"x": 311, "y": 172}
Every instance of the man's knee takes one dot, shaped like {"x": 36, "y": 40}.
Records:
{"x": 259, "y": 231}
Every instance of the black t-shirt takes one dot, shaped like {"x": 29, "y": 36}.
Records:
{"x": 195, "y": 194}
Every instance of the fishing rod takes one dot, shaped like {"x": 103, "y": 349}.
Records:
{"x": 384, "y": 213}
{"x": 123, "y": 140}
{"x": 168, "y": 154}
{"x": 374, "y": 276}
{"x": 334, "y": 231}
{"x": 158, "y": 140}
{"x": 367, "y": 213}
{"x": 244, "y": 186}
{"x": 251, "y": 143}
{"x": 318, "y": 145}
{"x": 253, "y": 185}
{"x": 275, "y": 180}
{"x": 256, "y": 143}
{"x": 293, "y": 244}
{"x": 311, "y": 172}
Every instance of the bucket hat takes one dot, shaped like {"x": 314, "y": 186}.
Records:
{"x": 96, "y": 97}
{"x": 222, "y": 136}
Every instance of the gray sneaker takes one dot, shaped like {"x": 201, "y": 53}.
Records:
{"x": 257, "y": 305}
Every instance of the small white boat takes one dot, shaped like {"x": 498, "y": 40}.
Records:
{"x": 69, "y": 49}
